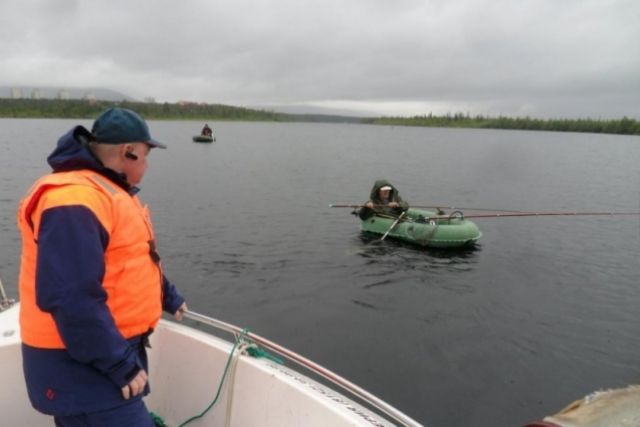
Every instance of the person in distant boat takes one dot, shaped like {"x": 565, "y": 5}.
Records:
{"x": 384, "y": 198}
{"x": 92, "y": 287}
{"x": 206, "y": 130}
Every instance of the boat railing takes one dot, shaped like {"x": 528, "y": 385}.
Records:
{"x": 374, "y": 402}
{"x": 5, "y": 302}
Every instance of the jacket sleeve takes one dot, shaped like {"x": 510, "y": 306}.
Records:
{"x": 404, "y": 205}
{"x": 69, "y": 273}
{"x": 396, "y": 198}
{"x": 171, "y": 300}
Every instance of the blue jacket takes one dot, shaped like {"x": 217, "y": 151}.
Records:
{"x": 88, "y": 375}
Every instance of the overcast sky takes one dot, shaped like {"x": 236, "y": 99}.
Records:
{"x": 538, "y": 58}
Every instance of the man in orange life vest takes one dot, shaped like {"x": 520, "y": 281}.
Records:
{"x": 91, "y": 282}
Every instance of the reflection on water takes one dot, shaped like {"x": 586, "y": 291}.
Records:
{"x": 397, "y": 254}
{"x": 539, "y": 313}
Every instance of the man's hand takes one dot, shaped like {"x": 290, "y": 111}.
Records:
{"x": 369, "y": 205}
{"x": 179, "y": 314}
{"x": 394, "y": 204}
{"x": 136, "y": 386}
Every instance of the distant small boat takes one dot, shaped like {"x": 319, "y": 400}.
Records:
{"x": 203, "y": 138}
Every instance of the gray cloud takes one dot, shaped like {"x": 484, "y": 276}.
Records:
{"x": 542, "y": 58}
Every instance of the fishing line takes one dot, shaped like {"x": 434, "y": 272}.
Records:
{"x": 504, "y": 213}
{"x": 530, "y": 214}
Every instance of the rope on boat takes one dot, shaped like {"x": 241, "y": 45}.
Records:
{"x": 433, "y": 232}
{"x": 241, "y": 346}
{"x": 5, "y": 302}
{"x": 257, "y": 352}
{"x": 234, "y": 364}
{"x": 157, "y": 420}
{"x": 239, "y": 340}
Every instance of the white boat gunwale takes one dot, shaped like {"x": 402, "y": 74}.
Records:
{"x": 369, "y": 399}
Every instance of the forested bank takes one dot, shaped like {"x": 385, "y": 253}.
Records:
{"x": 624, "y": 126}
{"x": 75, "y": 108}
{"x": 84, "y": 109}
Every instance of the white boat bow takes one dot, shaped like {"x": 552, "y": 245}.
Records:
{"x": 187, "y": 366}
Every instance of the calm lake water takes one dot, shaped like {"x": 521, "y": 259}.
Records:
{"x": 540, "y": 313}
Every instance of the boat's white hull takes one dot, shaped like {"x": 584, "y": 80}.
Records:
{"x": 186, "y": 366}
{"x": 15, "y": 409}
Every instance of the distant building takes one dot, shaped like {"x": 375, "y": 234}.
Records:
{"x": 16, "y": 93}
{"x": 150, "y": 100}
{"x": 89, "y": 96}
{"x": 63, "y": 94}
{"x": 35, "y": 93}
{"x": 186, "y": 103}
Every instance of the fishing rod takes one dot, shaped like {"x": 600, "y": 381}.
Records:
{"x": 506, "y": 213}
{"x": 353, "y": 206}
{"x": 527, "y": 214}
{"x": 455, "y": 208}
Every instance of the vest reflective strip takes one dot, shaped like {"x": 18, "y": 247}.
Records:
{"x": 104, "y": 184}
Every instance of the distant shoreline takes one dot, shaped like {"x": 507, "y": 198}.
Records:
{"x": 89, "y": 109}
{"x": 624, "y": 126}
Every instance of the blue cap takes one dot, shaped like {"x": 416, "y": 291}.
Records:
{"x": 120, "y": 126}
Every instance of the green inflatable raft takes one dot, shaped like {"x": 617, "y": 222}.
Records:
{"x": 203, "y": 138}
{"x": 425, "y": 228}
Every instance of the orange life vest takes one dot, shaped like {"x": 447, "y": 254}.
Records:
{"x": 132, "y": 279}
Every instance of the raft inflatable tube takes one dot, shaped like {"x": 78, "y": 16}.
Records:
{"x": 425, "y": 228}
{"x": 202, "y": 138}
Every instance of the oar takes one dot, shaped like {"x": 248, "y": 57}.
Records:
{"x": 393, "y": 225}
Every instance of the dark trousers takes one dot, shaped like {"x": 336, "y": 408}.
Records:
{"x": 134, "y": 414}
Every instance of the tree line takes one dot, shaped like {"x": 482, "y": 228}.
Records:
{"x": 624, "y": 126}
{"x": 89, "y": 109}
